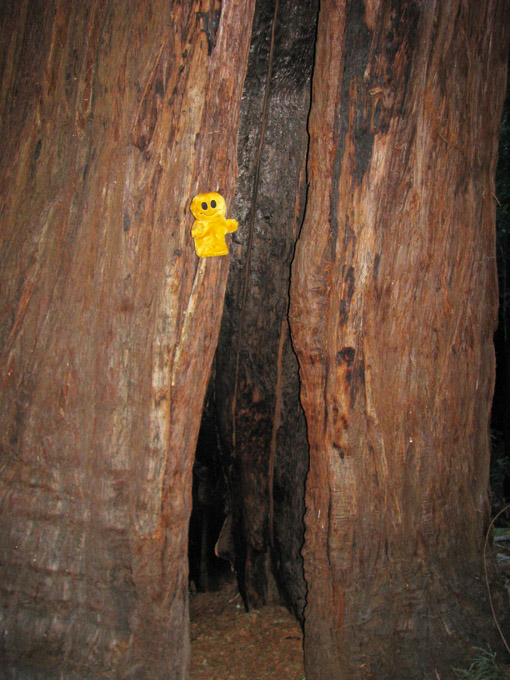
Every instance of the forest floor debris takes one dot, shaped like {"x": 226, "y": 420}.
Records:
{"x": 228, "y": 643}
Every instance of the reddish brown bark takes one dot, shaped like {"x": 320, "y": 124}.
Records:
{"x": 112, "y": 117}
{"x": 392, "y": 311}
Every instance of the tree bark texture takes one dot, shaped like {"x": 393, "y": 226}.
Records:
{"x": 393, "y": 307}
{"x": 113, "y": 115}
{"x": 257, "y": 385}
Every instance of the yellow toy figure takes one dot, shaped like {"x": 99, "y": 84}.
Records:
{"x": 210, "y": 225}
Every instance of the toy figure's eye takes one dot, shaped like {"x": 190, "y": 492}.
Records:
{"x": 204, "y": 206}
{"x": 213, "y": 203}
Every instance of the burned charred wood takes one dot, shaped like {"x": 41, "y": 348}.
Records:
{"x": 257, "y": 385}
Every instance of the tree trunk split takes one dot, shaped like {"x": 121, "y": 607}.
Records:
{"x": 257, "y": 386}
{"x": 113, "y": 116}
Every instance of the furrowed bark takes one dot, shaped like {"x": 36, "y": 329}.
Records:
{"x": 393, "y": 305}
{"x": 113, "y": 117}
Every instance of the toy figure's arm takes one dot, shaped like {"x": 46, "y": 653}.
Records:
{"x": 231, "y": 225}
{"x": 198, "y": 229}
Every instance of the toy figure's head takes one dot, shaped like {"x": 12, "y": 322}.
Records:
{"x": 208, "y": 205}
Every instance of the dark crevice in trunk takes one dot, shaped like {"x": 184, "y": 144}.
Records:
{"x": 262, "y": 449}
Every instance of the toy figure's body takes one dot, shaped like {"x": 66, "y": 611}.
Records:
{"x": 210, "y": 225}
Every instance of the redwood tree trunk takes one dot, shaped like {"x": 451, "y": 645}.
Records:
{"x": 113, "y": 115}
{"x": 392, "y": 311}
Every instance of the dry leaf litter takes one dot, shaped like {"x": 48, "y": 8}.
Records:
{"x": 228, "y": 643}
